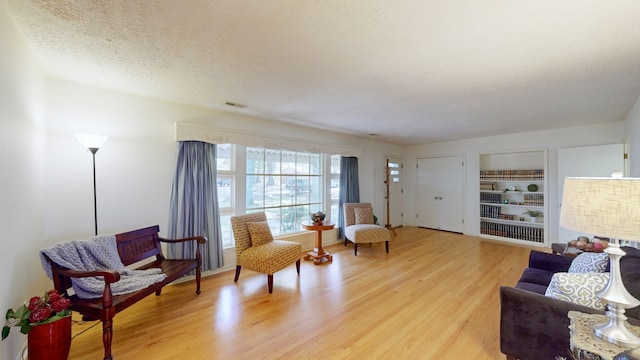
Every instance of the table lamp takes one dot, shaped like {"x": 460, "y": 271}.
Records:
{"x": 608, "y": 207}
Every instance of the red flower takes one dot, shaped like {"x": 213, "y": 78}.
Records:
{"x": 50, "y": 307}
{"x": 40, "y": 314}
{"x": 34, "y": 303}
{"x": 53, "y": 297}
{"x": 60, "y": 304}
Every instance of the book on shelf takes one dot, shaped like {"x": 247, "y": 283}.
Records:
{"x": 487, "y": 185}
{"x": 531, "y": 174}
{"x": 491, "y": 198}
{"x": 534, "y": 200}
{"x": 512, "y": 231}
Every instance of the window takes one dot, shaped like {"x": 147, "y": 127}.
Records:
{"x": 286, "y": 185}
{"x": 226, "y": 185}
{"x": 394, "y": 172}
{"x": 334, "y": 183}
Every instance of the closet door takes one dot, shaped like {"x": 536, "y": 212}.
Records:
{"x": 441, "y": 193}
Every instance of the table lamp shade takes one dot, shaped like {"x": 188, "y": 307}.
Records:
{"x": 607, "y": 207}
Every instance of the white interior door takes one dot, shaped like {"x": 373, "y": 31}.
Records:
{"x": 441, "y": 193}
{"x": 396, "y": 181}
{"x": 428, "y": 194}
{"x": 596, "y": 161}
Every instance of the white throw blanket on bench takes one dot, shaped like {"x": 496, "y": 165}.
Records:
{"x": 97, "y": 253}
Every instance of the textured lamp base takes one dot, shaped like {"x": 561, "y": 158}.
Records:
{"x": 615, "y": 330}
{"x": 618, "y": 299}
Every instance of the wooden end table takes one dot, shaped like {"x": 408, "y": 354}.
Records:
{"x": 318, "y": 255}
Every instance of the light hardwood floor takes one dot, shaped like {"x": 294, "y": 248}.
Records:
{"x": 434, "y": 296}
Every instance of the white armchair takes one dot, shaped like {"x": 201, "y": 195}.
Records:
{"x": 360, "y": 227}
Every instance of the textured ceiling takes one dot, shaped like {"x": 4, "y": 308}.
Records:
{"x": 412, "y": 72}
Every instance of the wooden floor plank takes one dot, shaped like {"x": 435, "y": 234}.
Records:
{"x": 434, "y": 296}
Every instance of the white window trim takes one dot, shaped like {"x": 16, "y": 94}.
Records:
{"x": 185, "y": 131}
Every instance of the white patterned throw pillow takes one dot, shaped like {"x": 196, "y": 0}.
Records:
{"x": 578, "y": 288}
{"x": 364, "y": 215}
{"x": 588, "y": 262}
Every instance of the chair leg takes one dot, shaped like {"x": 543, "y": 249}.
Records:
{"x": 355, "y": 249}
{"x": 237, "y": 273}
{"x": 386, "y": 245}
{"x": 270, "y": 282}
{"x": 298, "y": 267}
{"x": 345, "y": 241}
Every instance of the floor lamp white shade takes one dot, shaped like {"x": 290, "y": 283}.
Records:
{"x": 91, "y": 140}
{"x": 608, "y": 207}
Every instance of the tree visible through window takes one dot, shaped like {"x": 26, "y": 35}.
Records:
{"x": 286, "y": 185}
{"x": 226, "y": 186}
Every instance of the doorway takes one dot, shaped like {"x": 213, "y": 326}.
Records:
{"x": 396, "y": 181}
{"x": 586, "y": 161}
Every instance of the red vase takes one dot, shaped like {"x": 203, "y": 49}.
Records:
{"x": 50, "y": 341}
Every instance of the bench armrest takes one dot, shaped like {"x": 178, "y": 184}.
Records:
{"x": 199, "y": 239}
{"x": 110, "y": 276}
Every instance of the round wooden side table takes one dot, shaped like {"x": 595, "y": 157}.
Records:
{"x": 318, "y": 254}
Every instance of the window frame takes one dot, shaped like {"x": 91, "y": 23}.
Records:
{"x": 287, "y": 185}
{"x": 238, "y": 173}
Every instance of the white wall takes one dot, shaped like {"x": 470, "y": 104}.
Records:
{"x": 471, "y": 149}
{"x": 22, "y": 160}
{"x": 134, "y": 169}
{"x": 632, "y": 123}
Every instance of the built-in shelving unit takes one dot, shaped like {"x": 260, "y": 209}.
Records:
{"x": 510, "y": 197}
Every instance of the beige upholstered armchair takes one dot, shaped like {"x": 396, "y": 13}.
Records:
{"x": 360, "y": 227}
{"x": 258, "y": 251}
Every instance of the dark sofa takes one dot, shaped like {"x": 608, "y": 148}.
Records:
{"x": 536, "y": 327}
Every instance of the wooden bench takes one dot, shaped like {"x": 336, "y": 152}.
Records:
{"x": 133, "y": 246}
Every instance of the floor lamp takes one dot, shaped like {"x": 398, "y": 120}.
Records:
{"x": 93, "y": 143}
{"x": 608, "y": 207}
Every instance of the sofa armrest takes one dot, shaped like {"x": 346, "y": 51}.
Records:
{"x": 533, "y": 326}
{"x": 550, "y": 262}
